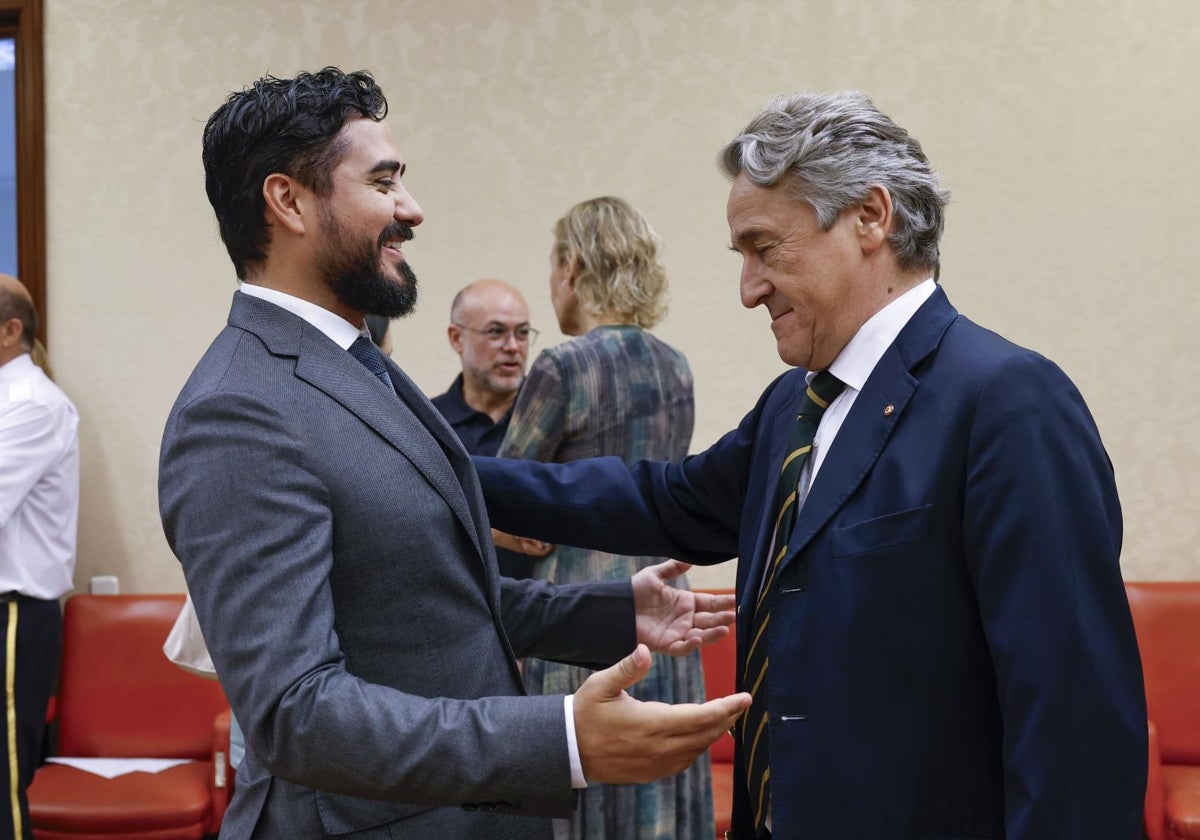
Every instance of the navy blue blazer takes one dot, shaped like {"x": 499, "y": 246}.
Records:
{"x": 951, "y": 651}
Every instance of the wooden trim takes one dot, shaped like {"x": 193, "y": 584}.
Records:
{"x": 26, "y": 17}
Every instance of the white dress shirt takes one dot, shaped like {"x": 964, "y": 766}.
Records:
{"x": 343, "y": 333}
{"x": 854, "y": 366}
{"x": 340, "y": 331}
{"x": 39, "y": 482}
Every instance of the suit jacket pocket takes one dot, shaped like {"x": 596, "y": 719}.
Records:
{"x": 881, "y": 532}
{"x": 349, "y": 814}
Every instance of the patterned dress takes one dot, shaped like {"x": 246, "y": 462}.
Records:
{"x": 616, "y": 391}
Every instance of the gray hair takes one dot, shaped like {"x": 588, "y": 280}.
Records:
{"x": 831, "y": 149}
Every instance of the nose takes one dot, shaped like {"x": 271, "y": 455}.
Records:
{"x": 510, "y": 341}
{"x": 407, "y": 209}
{"x": 753, "y": 286}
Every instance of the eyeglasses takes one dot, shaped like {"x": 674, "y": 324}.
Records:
{"x": 497, "y": 334}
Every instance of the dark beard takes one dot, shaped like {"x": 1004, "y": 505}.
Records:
{"x": 357, "y": 279}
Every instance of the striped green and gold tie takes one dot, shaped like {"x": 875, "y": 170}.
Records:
{"x": 755, "y": 730}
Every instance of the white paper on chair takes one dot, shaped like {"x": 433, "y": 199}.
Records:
{"x": 110, "y": 768}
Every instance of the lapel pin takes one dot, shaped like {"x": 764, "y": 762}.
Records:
{"x": 888, "y": 409}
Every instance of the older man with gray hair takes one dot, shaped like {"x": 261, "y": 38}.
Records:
{"x": 931, "y": 617}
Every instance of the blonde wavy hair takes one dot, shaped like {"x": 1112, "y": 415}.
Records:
{"x": 41, "y": 358}
{"x": 617, "y": 253}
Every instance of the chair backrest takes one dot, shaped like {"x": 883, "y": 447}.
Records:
{"x": 720, "y": 679}
{"x": 119, "y": 696}
{"x": 1166, "y": 617}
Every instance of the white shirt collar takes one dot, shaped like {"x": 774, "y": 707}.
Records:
{"x": 859, "y": 357}
{"x": 17, "y": 366}
{"x": 339, "y": 330}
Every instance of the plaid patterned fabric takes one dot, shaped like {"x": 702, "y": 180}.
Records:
{"x": 616, "y": 391}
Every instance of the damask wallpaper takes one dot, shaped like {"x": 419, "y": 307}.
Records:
{"x": 1064, "y": 128}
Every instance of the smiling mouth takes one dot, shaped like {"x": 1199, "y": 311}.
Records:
{"x": 395, "y": 236}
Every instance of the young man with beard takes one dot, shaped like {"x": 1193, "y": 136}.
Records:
{"x": 489, "y": 330}
{"x": 333, "y": 537}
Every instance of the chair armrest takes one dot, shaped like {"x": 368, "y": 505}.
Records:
{"x": 221, "y": 782}
{"x": 1156, "y": 795}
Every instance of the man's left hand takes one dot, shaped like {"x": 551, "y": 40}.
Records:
{"x": 677, "y": 621}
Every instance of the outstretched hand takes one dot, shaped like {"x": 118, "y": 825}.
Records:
{"x": 677, "y": 621}
{"x": 626, "y": 741}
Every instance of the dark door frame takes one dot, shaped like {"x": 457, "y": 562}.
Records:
{"x": 22, "y": 21}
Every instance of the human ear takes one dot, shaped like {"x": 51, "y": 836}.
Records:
{"x": 287, "y": 202}
{"x": 874, "y": 218}
{"x": 10, "y": 332}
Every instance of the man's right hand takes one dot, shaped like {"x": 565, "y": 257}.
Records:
{"x": 626, "y": 741}
{"x": 521, "y": 545}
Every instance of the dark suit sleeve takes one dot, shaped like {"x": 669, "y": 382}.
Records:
{"x": 690, "y": 510}
{"x": 252, "y": 525}
{"x": 1042, "y": 535}
{"x": 589, "y": 624}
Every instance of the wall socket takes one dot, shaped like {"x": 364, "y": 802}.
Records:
{"x": 104, "y": 585}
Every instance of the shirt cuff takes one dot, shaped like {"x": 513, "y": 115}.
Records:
{"x": 577, "y": 780}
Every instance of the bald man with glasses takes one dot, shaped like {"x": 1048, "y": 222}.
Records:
{"x": 489, "y": 330}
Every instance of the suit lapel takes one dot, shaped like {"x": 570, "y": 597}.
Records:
{"x": 856, "y": 448}
{"x": 425, "y": 412}
{"x": 781, "y": 427}
{"x": 467, "y": 482}
{"x": 868, "y": 426}
{"x": 327, "y": 367}
{"x": 417, "y": 433}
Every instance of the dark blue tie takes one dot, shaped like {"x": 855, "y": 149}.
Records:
{"x": 367, "y": 353}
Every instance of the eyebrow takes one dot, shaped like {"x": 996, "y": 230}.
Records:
{"x": 745, "y": 236}
{"x": 387, "y": 166}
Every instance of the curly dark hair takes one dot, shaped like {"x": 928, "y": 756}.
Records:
{"x": 278, "y": 125}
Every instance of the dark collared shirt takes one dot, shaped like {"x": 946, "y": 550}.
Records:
{"x": 481, "y": 436}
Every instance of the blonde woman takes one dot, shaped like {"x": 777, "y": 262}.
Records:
{"x": 614, "y": 389}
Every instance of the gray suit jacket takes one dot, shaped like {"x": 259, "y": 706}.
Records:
{"x": 335, "y": 543}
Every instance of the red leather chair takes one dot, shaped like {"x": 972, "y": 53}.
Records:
{"x": 720, "y": 670}
{"x": 119, "y": 697}
{"x": 1166, "y": 616}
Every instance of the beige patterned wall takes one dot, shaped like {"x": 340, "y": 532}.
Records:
{"x": 1065, "y": 128}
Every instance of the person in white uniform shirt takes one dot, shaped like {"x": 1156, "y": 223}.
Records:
{"x": 39, "y": 509}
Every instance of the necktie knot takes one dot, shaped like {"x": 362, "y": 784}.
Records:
{"x": 822, "y": 390}
{"x": 366, "y": 352}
